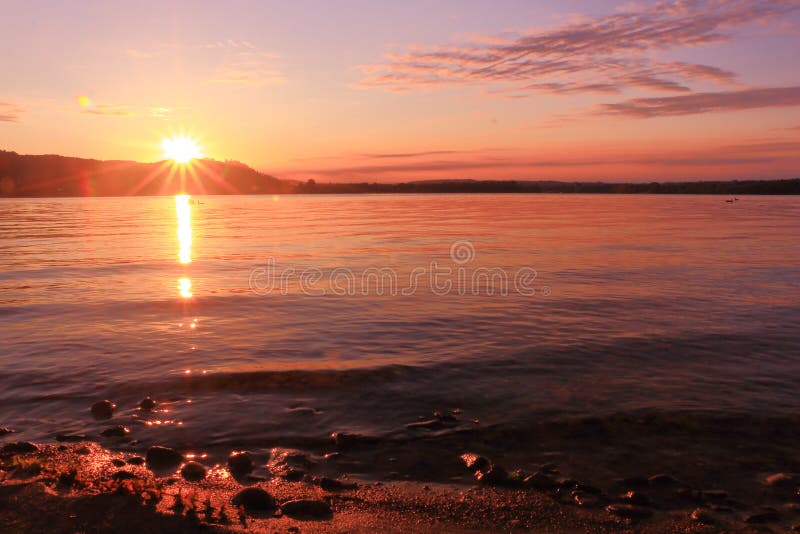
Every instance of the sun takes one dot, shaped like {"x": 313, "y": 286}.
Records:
{"x": 181, "y": 149}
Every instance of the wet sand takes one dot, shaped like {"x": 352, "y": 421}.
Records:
{"x": 644, "y": 472}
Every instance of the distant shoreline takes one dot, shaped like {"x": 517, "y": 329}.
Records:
{"x": 27, "y": 176}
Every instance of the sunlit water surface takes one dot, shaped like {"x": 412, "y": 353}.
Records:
{"x": 639, "y": 302}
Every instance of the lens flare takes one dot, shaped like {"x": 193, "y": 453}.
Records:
{"x": 181, "y": 149}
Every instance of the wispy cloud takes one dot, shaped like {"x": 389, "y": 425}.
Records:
{"x": 108, "y": 110}
{"x": 509, "y": 163}
{"x": 703, "y": 103}
{"x": 230, "y": 61}
{"x": 242, "y": 62}
{"x": 606, "y": 54}
{"x": 10, "y": 112}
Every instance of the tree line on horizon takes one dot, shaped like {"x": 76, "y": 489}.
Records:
{"x": 60, "y": 176}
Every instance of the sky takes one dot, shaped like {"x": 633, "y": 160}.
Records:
{"x": 395, "y": 91}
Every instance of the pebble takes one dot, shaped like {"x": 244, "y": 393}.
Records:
{"x": 254, "y": 500}
{"x": 585, "y": 500}
{"x": 494, "y": 476}
{"x": 123, "y": 475}
{"x": 629, "y": 511}
{"x": 148, "y": 404}
{"x": 635, "y": 497}
{"x": 115, "y": 431}
{"x": 20, "y": 447}
{"x": 117, "y": 462}
{"x": 163, "y": 457}
{"x": 782, "y": 480}
{"x": 293, "y": 474}
{"x": 193, "y": 472}
{"x": 540, "y": 481}
{"x": 103, "y": 409}
{"x": 475, "y": 462}
{"x": 240, "y": 463}
{"x": 307, "y": 509}
{"x": 699, "y": 515}
{"x": 136, "y": 460}
{"x": 71, "y": 437}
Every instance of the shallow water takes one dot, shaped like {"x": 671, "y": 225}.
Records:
{"x": 668, "y": 303}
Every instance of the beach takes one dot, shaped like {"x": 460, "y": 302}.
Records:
{"x": 648, "y": 473}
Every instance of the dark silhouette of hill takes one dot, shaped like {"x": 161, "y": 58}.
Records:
{"x": 59, "y": 176}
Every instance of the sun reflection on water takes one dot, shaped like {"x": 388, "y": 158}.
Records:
{"x": 185, "y": 287}
{"x": 183, "y": 208}
{"x": 184, "y": 211}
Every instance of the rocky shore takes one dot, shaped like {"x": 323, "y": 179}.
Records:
{"x": 642, "y": 472}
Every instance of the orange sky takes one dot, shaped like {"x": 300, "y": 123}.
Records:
{"x": 460, "y": 89}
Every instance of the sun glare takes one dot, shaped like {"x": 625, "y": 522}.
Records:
{"x": 181, "y": 149}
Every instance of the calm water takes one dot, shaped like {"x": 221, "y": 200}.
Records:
{"x": 662, "y": 302}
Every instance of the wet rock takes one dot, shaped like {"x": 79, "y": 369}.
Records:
{"x": 782, "y": 480}
{"x": 701, "y": 516}
{"x": 255, "y": 500}
{"x": 332, "y": 456}
{"x": 240, "y": 463}
{"x": 163, "y": 457}
{"x": 103, "y": 409}
{"x": 475, "y": 462}
{"x": 193, "y": 472}
{"x": 331, "y": 484}
{"x": 83, "y": 450}
{"x": 20, "y": 447}
{"x": 629, "y": 511}
{"x": 5, "y": 431}
{"x": 123, "y": 475}
{"x": 763, "y": 516}
{"x": 494, "y": 476}
{"x": 635, "y": 497}
{"x": 136, "y": 460}
{"x": 585, "y": 500}
{"x": 147, "y": 404}
{"x": 307, "y": 509}
{"x": 540, "y": 481}
{"x": 293, "y": 474}
{"x": 115, "y": 431}
{"x": 662, "y": 480}
{"x": 71, "y": 437}
{"x": 117, "y": 462}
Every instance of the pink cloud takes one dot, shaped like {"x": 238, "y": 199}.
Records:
{"x": 613, "y": 52}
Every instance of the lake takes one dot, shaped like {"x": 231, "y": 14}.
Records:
{"x": 256, "y": 320}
